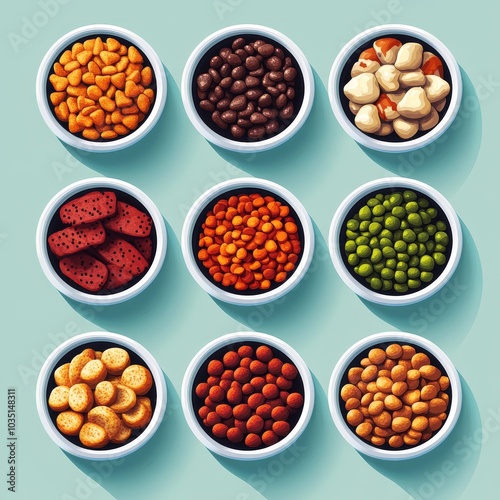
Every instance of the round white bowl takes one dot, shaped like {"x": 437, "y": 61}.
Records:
{"x": 83, "y": 341}
{"x": 43, "y": 251}
{"x": 245, "y": 184}
{"x": 239, "y": 338}
{"x": 373, "y": 341}
{"x": 235, "y": 145}
{"x": 45, "y": 106}
{"x": 395, "y": 183}
{"x": 337, "y": 96}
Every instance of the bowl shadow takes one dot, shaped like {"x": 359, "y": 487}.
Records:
{"x": 447, "y": 162}
{"x": 282, "y": 476}
{"x": 447, "y": 316}
{"x": 449, "y": 467}
{"x": 164, "y": 454}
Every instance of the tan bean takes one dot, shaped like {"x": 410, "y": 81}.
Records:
{"x": 369, "y": 373}
{"x": 401, "y": 424}
{"x": 376, "y": 356}
{"x": 398, "y": 373}
{"x": 411, "y": 397}
{"x": 375, "y": 407}
{"x": 350, "y": 391}
{"x": 354, "y": 374}
{"x": 430, "y": 372}
{"x": 399, "y": 388}
{"x": 437, "y": 406}
{"x": 420, "y": 423}
{"x": 383, "y": 419}
{"x": 420, "y": 359}
{"x": 354, "y": 417}
{"x": 392, "y": 402}
{"x": 364, "y": 429}
{"x": 420, "y": 408}
{"x": 394, "y": 351}
{"x": 396, "y": 441}
{"x": 352, "y": 403}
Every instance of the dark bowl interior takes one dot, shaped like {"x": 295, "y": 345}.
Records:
{"x": 99, "y": 345}
{"x": 56, "y": 224}
{"x": 345, "y": 76}
{"x": 204, "y": 64}
{"x": 201, "y": 376}
{"x": 363, "y": 354}
{"x": 123, "y": 41}
{"x": 198, "y": 229}
{"x": 438, "y": 270}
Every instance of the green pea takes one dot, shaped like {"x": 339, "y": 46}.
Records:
{"x": 414, "y": 261}
{"x": 379, "y": 219}
{"x": 365, "y": 270}
{"x": 376, "y": 255}
{"x": 441, "y": 226}
{"x": 352, "y": 224}
{"x": 426, "y": 218}
{"x": 403, "y": 257}
{"x": 422, "y": 249}
{"x": 409, "y": 236}
{"x": 387, "y": 205}
{"x": 431, "y": 229}
{"x": 378, "y": 210}
{"x": 400, "y": 246}
{"x": 356, "y": 269}
{"x": 414, "y": 283}
{"x": 363, "y": 251}
{"x": 401, "y": 266}
{"x": 362, "y": 240}
{"x": 365, "y": 213}
{"x": 376, "y": 283}
{"x": 411, "y": 207}
{"x": 353, "y": 259}
{"x": 426, "y": 263}
{"x": 366, "y": 234}
{"x": 439, "y": 258}
{"x": 398, "y": 235}
{"x": 398, "y": 212}
{"x": 423, "y": 203}
{"x": 401, "y": 287}
{"x": 414, "y": 220}
{"x": 432, "y": 212}
{"x": 392, "y": 223}
{"x": 375, "y": 228}
{"x": 441, "y": 238}
{"x": 385, "y": 242}
{"x": 422, "y": 237}
{"x": 387, "y": 273}
{"x": 440, "y": 248}
{"x": 378, "y": 266}
{"x": 374, "y": 243}
{"x": 388, "y": 252}
{"x": 352, "y": 235}
{"x": 391, "y": 263}
{"x": 409, "y": 195}
{"x": 426, "y": 277}
{"x": 386, "y": 285}
{"x": 373, "y": 202}
{"x": 413, "y": 273}
{"x": 430, "y": 245}
{"x": 385, "y": 233}
{"x": 364, "y": 225}
{"x": 404, "y": 225}
{"x": 400, "y": 277}
{"x": 395, "y": 199}
{"x": 380, "y": 197}
{"x": 412, "y": 249}
{"x": 350, "y": 246}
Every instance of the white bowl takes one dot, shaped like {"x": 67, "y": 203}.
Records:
{"x": 45, "y": 105}
{"x": 373, "y": 341}
{"x": 235, "y": 145}
{"x": 246, "y": 184}
{"x": 241, "y": 338}
{"x": 376, "y": 186}
{"x": 76, "y": 344}
{"x": 51, "y": 210}
{"x": 337, "y": 96}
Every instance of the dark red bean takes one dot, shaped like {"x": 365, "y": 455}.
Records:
{"x": 229, "y": 116}
{"x": 290, "y": 74}
{"x": 258, "y": 118}
{"x": 253, "y": 94}
{"x": 237, "y": 131}
{"x": 266, "y": 50}
{"x": 252, "y": 63}
{"x": 216, "y": 62}
{"x": 287, "y": 111}
{"x": 270, "y": 113}
{"x": 201, "y": 95}
{"x": 219, "y": 92}
{"x": 242, "y": 122}
{"x": 248, "y": 111}
{"x": 212, "y": 97}
{"x": 223, "y": 104}
{"x": 279, "y": 53}
{"x": 225, "y": 83}
{"x": 215, "y": 75}
{"x": 281, "y": 87}
{"x": 239, "y": 103}
{"x": 272, "y": 127}
{"x": 217, "y": 120}
{"x": 204, "y": 81}
{"x": 274, "y": 63}
{"x": 238, "y": 87}
{"x": 288, "y": 62}
{"x": 239, "y": 72}
{"x": 207, "y": 105}
{"x": 224, "y": 53}
{"x": 256, "y": 132}
{"x": 281, "y": 101}
{"x": 252, "y": 81}
{"x": 265, "y": 100}
{"x": 258, "y": 43}
{"x": 238, "y": 43}
{"x": 276, "y": 76}
{"x": 249, "y": 50}
{"x": 258, "y": 72}
{"x": 241, "y": 53}
{"x": 225, "y": 70}
{"x": 290, "y": 93}
{"x": 266, "y": 81}
{"x": 233, "y": 60}
{"x": 273, "y": 91}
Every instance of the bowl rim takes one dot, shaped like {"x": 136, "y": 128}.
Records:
{"x": 115, "y": 144}
{"x": 88, "y": 338}
{"x": 408, "y": 298}
{"x": 234, "y": 145}
{"x": 411, "y": 144}
{"x": 364, "y": 447}
{"x": 43, "y": 252}
{"x": 224, "y": 340}
{"x": 234, "y": 298}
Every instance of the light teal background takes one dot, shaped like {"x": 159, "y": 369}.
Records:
{"x": 174, "y": 318}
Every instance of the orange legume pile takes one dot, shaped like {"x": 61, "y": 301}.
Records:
{"x": 249, "y": 242}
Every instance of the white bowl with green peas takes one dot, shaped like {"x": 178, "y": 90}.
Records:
{"x": 395, "y": 241}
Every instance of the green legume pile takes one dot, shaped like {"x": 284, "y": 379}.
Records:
{"x": 395, "y": 242}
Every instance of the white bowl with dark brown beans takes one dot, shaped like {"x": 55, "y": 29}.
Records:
{"x": 247, "y": 88}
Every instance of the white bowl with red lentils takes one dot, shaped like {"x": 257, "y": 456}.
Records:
{"x": 247, "y": 88}
{"x": 247, "y": 241}
{"x": 395, "y": 396}
{"x": 247, "y": 395}
{"x": 101, "y": 88}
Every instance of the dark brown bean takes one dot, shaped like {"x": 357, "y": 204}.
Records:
{"x": 238, "y": 43}
{"x": 281, "y": 101}
{"x": 252, "y": 63}
{"x": 233, "y": 60}
{"x": 290, "y": 92}
{"x": 281, "y": 87}
{"x": 249, "y": 50}
{"x": 279, "y": 53}
{"x": 274, "y": 63}
{"x": 252, "y": 81}
{"x": 237, "y": 131}
{"x": 239, "y": 72}
{"x": 238, "y": 87}
{"x": 287, "y": 111}
{"x": 288, "y": 62}
{"x": 204, "y": 81}
{"x": 258, "y": 43}
{"x": 272, "y": 127}
{"x": 265, "y": 100}
{"x": 290, "y": 74}
{"x": 253, "y": 94}
{"x": 215, "y": 75}
{"x": 225, "y": 83}
{"x": 266, "y": 81}
{"x": 229, "y": 116}
{"x": 241, "y": 53}
{"x": 273, "y": 91}
{"x": 276, "y": 76}
{"x": 219, "y": 92}
{"x": 225, "y": 70}
{"x": 201, "y": 95}
{"x": 266, "y": 50}
{"x": 270, "y": 113}
{"x": 216, "y": 62}
{"x": 242, "y": 122}
{"x": 224, "y": 53}
{"x": 223, "y": 104}
{"x": 212, "y": 97}
{"x": 217, "y": 120}
{"x": 258, "y": 118}
{"x": 256, "y": 132}
{"x": 207, "y": 105}
{"x": 258, "y": 72}
{"x": 248, "y": 111}
{"x": 239, "y": 103}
